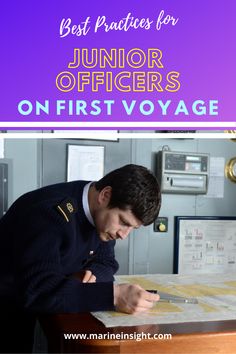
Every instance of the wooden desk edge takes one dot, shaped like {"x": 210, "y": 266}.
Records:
{"x": 217, "y": 337}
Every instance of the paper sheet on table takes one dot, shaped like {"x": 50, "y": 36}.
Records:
{"x": 216, "y": 295}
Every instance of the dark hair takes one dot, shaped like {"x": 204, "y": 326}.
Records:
{"x": 134, "y": 187}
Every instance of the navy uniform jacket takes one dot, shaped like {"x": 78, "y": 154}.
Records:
{"x": 45, "y": 237}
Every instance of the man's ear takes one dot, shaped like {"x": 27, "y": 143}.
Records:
{"x": 104, "y": 196}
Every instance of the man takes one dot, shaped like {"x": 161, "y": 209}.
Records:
{"x": 57, "y": 250}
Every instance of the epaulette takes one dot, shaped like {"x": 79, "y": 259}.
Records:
{"x": 67, "y": 208}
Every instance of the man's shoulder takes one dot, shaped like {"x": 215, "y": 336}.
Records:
{"x": 58, "y": 188}
{"x": 52, "y": 192}
{"x": 61, "y": 197}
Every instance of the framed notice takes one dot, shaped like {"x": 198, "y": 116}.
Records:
{"x": 205, "y": 245}
{"x": 85, "y": 162}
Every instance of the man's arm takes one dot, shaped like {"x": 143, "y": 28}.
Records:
{"x": 102, "y": 265}
{"x": 42, "y": 287}
{"x": 42, "y": 282}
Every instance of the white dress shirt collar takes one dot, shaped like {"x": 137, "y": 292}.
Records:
{"x": 85, "y": 203}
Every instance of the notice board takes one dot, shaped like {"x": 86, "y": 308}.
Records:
{"x": 205, "y": 244}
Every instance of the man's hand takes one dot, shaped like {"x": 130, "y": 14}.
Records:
{"x": 88, "y": 277}
{"x": 85, "y": 276}
{"x": 131, "y": 298}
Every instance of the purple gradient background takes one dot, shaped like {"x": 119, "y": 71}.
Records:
{"x": 201, "y": 47}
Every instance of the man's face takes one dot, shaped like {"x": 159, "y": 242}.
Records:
{"x": 113, "y": 224}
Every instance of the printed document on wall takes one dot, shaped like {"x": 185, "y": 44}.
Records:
{"x": 216, "y": 178}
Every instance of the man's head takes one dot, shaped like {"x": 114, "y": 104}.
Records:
{"x": 129, "y": 197}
